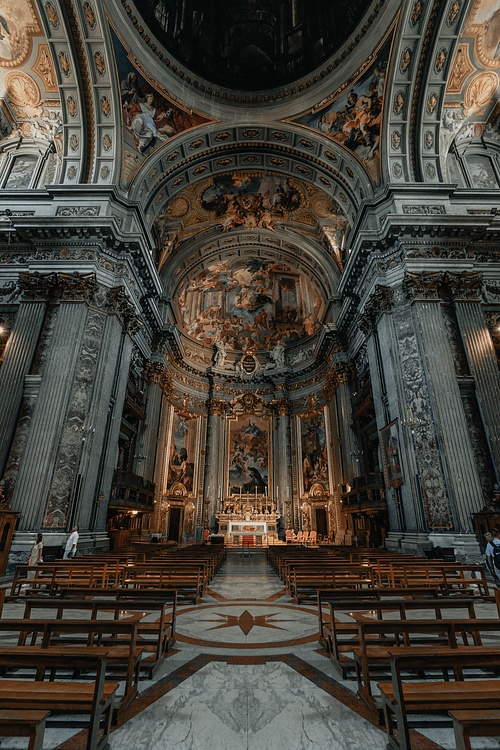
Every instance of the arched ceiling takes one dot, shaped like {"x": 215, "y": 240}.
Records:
{"x": 267, "y": 157}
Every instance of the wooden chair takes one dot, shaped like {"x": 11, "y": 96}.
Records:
{"x": 300, "y": 537}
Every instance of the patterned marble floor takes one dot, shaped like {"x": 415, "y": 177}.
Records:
{"x": 247, "y": 673}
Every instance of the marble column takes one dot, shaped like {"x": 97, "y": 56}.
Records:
{"x": 283, "y": 463}
{"x": 215, "y": 457}
{"x": 448, "y": 421}
{"x": 36, "y": 467}
{"x": 481, "y": 356}
{"x": 153, "y": 441}
{"x": 19, "y": 353}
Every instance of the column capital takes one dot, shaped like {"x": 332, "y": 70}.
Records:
{"x": 422, "y": 285}
{"x": 156, "y": 374}
{"x": 217, "y": 407}
{"x": 121, "y": 306}
{"x": 379, "y": 302}
{"x": 464, "y": 286}
{"x": 281, "y": 407}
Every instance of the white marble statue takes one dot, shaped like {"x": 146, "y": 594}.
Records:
{"x": 277, "y": 354}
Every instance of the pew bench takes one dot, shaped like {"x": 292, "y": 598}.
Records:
{"x": 343, "y": 636}
{"x": 467, "y": 724}
{"x": 402, "y": 698}
{"x": 154, "y": 637}
{"x": 94, "y": 699}
{"x": 427, "y": 638}
{"x": 24, "y": 724}
{"x": 118, "y": 638}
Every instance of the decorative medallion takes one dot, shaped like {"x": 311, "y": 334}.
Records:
{"x": 64, "y": 63}
{"x": 105, "y": 172}
{"x": 52, "y": 15}
{"x": 430, "y": 171}
{"x": 105, "y": 106}
{"x": 399, "y": 102}
{"x": 223, "y": 136}
{"x": 350, "y": 172}
{"x": 432, "y": 103}
{"x": 107, "y": 142}
{"x": 397, "y": 170}
{"x": 454, "y": 11}
{"x": 73, "y": 142}
{"x": 100, "y": 65}
{"x": 72, "y": 172}
{"x": 71, "y": 106}
{"x": 440, "y": 60}
{"x": 172, "y": 156}
{"x": 278, "y": 136}
{"x": 416, "y": 13}
{"x": 479, "y": 92}
{"x": 199, "y": 170}
{"x": 396, "y": 140}
{"x": 277, "y": 162}
{"x": 23, "y": 93}
{"x": 306, "y": 144}
{"x": 428, "y": 139}
{"x": 406, "y": 60}
{"x": 224, "y": 162}
{"x": 195, "y": 144}
{"x": 251, "y": 133}
{"x": 89, "y": 15}
{"x": 331, "y": 156}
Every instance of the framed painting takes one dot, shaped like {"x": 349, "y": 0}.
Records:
{"x": 391, "y": 455}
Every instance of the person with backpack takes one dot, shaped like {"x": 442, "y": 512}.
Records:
{"x": 493, "y": 555}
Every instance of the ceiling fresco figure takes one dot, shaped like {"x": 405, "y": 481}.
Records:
{"x": 256, "y": 303}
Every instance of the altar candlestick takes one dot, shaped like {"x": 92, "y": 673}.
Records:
{"x": 256, "y": 492}
{"x": 277, "y": 493}
{"x": 265, "y": 490}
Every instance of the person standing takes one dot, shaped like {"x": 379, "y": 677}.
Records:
{"x": 36, "y": 555}
{"x": 493, "y": 555}
{"x": 70, "y": 549}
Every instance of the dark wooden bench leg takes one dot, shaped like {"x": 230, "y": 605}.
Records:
{"x": 24, "y": 724}
{"x": 462, "y": 740}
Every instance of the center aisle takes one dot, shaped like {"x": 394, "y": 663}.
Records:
{"x": 247, "y": 674}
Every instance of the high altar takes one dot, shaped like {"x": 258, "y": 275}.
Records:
{"x": 249, "y": 516}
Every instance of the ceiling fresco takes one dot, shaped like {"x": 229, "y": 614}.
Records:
{"x": 150, "y": 114}
{"x": 247, "y": 201}
{"x": 18, "y": 24}
{"x": 470, "y": 108}
{"x": 352, "y": 115}
{"x": 30, "y": 107}
{"x": 249, "y": 304}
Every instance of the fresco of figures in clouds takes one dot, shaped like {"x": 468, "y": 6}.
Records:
{"x": 248, "y": 455}
{"x": 247, "y": 202}
{"x": 250, "y": 304}
{"x": 149, "y": 117}
{"x": 354, "y": 117}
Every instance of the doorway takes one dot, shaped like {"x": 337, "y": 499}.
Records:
{"x": 321, "y": 522}
{"x": 174, "y": 524}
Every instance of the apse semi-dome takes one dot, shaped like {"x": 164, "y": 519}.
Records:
{"x": 251, "y": 45}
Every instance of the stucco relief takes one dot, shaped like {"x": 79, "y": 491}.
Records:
{"x": 73, "y": 443}
{"x": 416, "y": 396}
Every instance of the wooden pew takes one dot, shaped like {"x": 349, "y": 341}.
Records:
{"x": 343, "y": 636}
{"x": 154, "y": 637}
{"x": 118, "y": 637}
{"x": 377, "y": 640}
{"x": 24, "y": 724}
{"x": 325, "y": 597}
{"x": 467, "y": 724}
{"x": 437, "y": 696}
{"x": 93, "y": 698}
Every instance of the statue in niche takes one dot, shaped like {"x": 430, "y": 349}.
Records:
{"x": 277, "y": 354}
{"x": 219, "y": 353}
